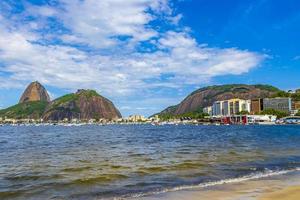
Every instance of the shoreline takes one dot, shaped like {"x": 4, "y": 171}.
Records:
{"x": 142, "y": 123}
{"x": 284, "y": 186}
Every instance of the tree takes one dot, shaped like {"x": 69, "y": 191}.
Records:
{"x": 296, "y": 96}
{"x": 243, "y": 112}
{"x": 188, "y": 115}
{"x": 298, "y": 114}
{"x": 279, "y": 114}
{"x": 282, "y": 94}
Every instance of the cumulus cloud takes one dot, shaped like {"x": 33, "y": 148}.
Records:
{"x": 110, "y": 45}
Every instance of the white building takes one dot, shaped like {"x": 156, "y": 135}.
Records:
{"x": 136, "y": 118}
{"x": 217, "y": 108}
{"x": 208, "y": 110}
{"x": 261, "y": 119}
{"x": 230, "y": 107}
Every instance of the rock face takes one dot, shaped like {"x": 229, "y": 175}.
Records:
{"x": 35, "y": 92}
{"x": 83, "y": 105}
{"x": 206, "y": 96}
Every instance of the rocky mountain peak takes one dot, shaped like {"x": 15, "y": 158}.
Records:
{"x": 83, "y": 105}
{"x": 35, "y": 92}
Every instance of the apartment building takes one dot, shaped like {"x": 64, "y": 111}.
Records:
{"x": 257, "y": 105}
{"x": 230, "y": 107}
{"x": 280, "y": 103}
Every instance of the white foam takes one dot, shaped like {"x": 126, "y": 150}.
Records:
{"x": 267, "y": 173}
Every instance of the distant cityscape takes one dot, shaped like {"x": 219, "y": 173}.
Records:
{"x": 250, "y": 111}
{"x": 88, "y": 107}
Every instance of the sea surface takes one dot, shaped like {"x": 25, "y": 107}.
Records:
{"x": 125, "y": 161}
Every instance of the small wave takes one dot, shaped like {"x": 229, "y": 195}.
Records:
{"x": 32, "y": 177}
{"x": 187, "y": 165}
{"x": 119, "y": 167}
{"x": 77, "y": 169}
{"x": 253, "y": 176}
{"x": 181, "y": 166}
{"x": 10, "y": 194}
{"x": 100, "y": 179}
{"x": 151, "y": 170}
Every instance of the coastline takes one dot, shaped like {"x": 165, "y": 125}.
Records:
{"x": 276, "y": 187}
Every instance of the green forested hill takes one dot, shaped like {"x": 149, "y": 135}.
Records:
{"x": 26, "y": 110}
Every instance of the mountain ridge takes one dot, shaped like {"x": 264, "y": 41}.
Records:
{"x": 84, "y": 104}
{"x": 205, "y": 96}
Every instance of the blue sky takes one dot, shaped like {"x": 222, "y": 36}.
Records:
{"x": 145, "y": 55}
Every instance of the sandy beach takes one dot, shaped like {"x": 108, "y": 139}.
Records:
{"x": 281, "y": 187}
{"x": 289, "y": 193}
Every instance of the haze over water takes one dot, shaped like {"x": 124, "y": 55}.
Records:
{"x": 95, "y": 162}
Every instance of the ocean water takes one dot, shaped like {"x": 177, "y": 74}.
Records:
{"x": 125, "y": 161}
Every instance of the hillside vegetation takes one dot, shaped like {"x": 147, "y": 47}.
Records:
{"x": 26, "y": 110}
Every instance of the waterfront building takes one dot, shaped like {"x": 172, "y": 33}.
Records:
{"x": 217, "y": 108}
{"x": 294, "y": 112}
{"x": 225, "y": 106}
{"x": 10, "y": 121}
{"x": 136, "y": 118}
{"x": 280, "y": 103}
{"x": 295, "y": 108}
{"x": 296, "y": 105}
{"x": 249, "y": 119}
{"x": 257, "y": 105}
{"x": 208, "y": 110}
{"x": 231, "y": 107}
{"x": 245, "y": 105}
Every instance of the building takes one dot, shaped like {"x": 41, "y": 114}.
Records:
{"x": 280, "y": 103}
{"x": 294, "y": 112}
{"x": 230, "y": 107}
{"x": 249, "y": 119}
{"x": 245, "y": 105}
{"x": 296, "y": 105}
{"x": 261, "y": 119}
{"x": 208, "y": 110}
{"x": 295, "y": 108}
{"x": 225, "y": 106}
{"x": 136, "y": 118}
{"x": 217, "y": 108}
{"x": 154, "y": 118}
{"x": 257, "y": 105}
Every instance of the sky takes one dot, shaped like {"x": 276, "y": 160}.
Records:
{"x": 146, "y": 55}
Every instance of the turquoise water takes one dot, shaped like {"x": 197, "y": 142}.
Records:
{"x": 103, "y": 162}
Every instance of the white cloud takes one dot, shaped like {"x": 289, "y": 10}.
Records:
{"x": 101, "y": 23}
{"x": 112, "y": 65}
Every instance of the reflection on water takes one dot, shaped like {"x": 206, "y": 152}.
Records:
{"x": 88, "y": 162}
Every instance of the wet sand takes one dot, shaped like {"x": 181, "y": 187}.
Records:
{"x": 289, "y": 193}
{"x": 281, "y": 187}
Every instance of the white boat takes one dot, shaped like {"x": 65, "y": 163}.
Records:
{"x": 265, "y": 123}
